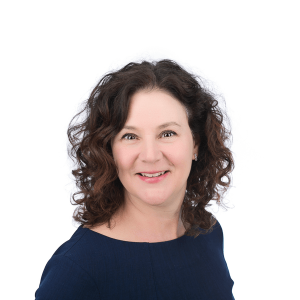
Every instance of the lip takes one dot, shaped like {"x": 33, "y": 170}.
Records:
{"x": 152, "y": 172}
{"x": 153, "y": 179}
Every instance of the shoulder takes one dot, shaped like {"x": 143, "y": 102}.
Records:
{"x": 84, "y": 248}
{"x": 64, "y": 279}
{"x": 216, "y": 228}
{"x": 68, "y": 274}
{"x": 73, "y": 243}
{"x": 213, "y": 237}
{"x": 217, "y": 237}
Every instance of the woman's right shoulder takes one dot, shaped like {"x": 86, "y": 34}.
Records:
{"x": 69, "y": 272}
{"x": 62, "y": 278}
{"x": 83, "y": 245}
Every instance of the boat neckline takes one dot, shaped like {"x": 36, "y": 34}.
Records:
{"x": 117, "y": 240}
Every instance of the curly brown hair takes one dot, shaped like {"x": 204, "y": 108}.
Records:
{"x": 105, "y": 113}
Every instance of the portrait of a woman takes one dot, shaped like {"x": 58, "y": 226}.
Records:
{"x": 151, "y": 153}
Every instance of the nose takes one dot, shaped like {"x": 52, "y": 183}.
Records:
{"x": 150, "y": 151}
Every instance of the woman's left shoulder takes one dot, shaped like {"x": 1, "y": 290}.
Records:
{"x": 216, "y": 235}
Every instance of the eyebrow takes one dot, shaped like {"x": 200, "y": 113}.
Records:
{"x": 159, "y": 127}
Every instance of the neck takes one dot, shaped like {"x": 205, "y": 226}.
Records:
{"x": 150, "y": 223}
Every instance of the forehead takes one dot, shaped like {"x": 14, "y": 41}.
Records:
{"x": 156, "y": 106}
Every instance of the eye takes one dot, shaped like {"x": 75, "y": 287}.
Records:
{"x": 133, "y": 135}
{"x": 169, "y": 132}
{"x": 126, "y": 135}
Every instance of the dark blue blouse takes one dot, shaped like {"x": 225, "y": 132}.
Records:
{"x": 93, "y": 266}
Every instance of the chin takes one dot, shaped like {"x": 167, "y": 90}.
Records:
{"x": 154, "y": 199}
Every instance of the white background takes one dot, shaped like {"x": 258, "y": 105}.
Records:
{"x": 52, "y": 55}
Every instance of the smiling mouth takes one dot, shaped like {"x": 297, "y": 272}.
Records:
{"x": 152, "y": 174}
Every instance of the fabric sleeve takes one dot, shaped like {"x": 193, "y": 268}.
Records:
{"x": 63, "y": 279}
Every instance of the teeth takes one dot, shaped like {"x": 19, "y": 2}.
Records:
{"x": 153, "y": 175}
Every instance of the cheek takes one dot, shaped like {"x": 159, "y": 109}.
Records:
{"x": 180, "y": 153}
{"x": 181, "y": 164}
{"x": 123, "y": 158}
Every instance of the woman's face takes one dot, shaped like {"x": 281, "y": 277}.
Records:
{"x": 144, "y": 145}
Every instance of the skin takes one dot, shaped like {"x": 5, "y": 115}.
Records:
{"x": 151, "y": 212}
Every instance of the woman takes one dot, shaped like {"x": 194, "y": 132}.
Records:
{"x": 150, "y": 156}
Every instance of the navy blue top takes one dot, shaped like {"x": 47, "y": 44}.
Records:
{"x": 93, "y": 266}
